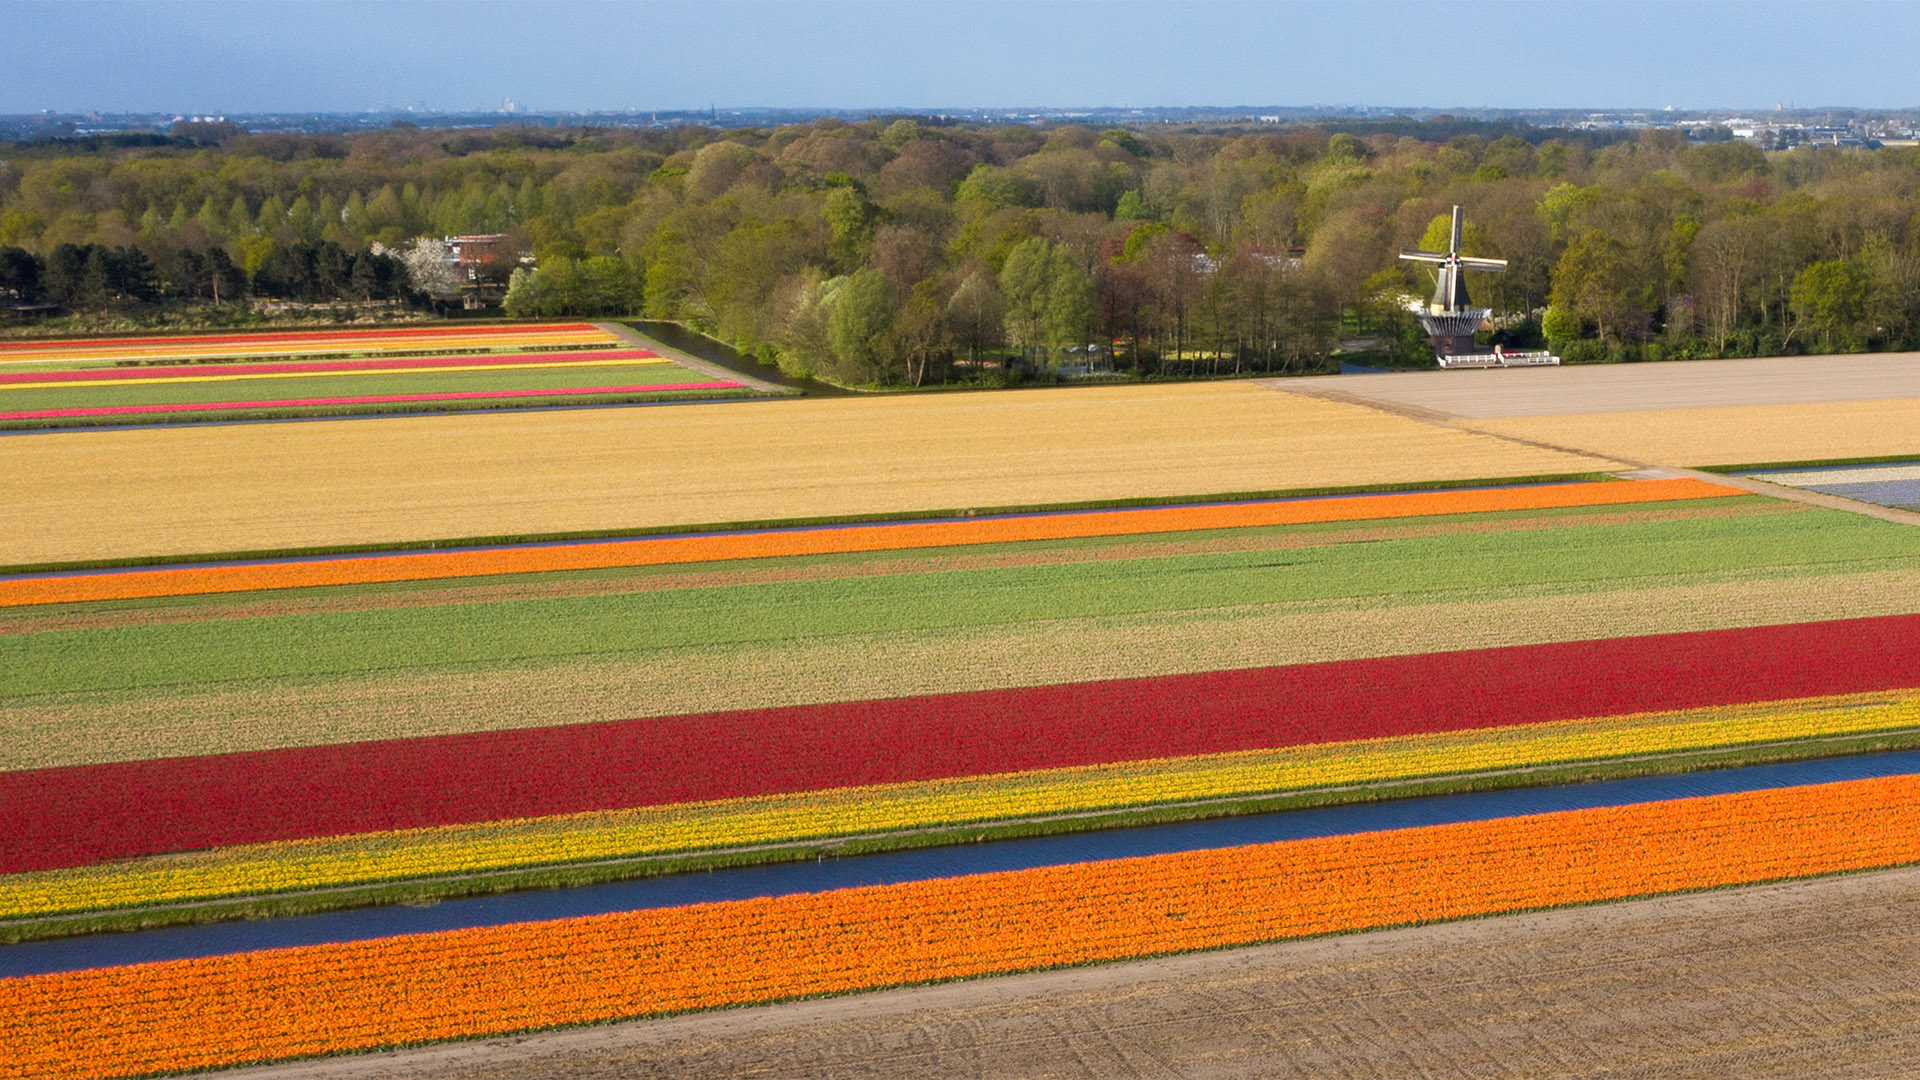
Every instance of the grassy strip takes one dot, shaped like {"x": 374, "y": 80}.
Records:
{"x": 535, "y": 631}
{"x": 1765, "y": 466}
{"x": 796, "y": 523}
{"x": 427, "y": 891}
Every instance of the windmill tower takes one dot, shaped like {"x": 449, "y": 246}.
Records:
{"x": 1450, "y": 317}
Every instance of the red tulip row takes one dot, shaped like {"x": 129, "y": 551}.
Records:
{"x": 84, "y": 814}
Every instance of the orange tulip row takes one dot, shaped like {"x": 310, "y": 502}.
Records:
{"x": 352, "y": 570}
{"x": 336, "y": 998}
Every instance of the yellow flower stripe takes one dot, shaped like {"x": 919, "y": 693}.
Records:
{"x": 373, "y": 857}
{"x": 435, "y": 370}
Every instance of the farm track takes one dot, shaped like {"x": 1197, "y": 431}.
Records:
{"x": 633, "y": 338}
{"x": 1790, "y": 979}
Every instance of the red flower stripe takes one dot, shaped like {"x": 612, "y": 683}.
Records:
{"x": 77, "y": 815}
{"x": 344, "y": 336}
{"x": 378, "y": 399}
{"x": 349, "y": 366}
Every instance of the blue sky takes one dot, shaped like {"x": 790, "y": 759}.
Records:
{"x": 264, "y": 55}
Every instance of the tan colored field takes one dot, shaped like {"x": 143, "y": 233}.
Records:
{"x": 107, "y": 494}
{"x": 1741, "y": 435}
{"x": 1617, "y": 388}
{"x": 96, "y": 727}
{"x": 1790, "y": 980}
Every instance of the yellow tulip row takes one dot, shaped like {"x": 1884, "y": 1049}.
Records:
{"x": 454, "y": 850}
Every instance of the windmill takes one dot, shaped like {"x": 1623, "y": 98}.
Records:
{"x": 1450, "y": 317}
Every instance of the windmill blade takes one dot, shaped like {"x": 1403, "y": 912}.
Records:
{"x": 1423, "y": 256}
{"x": 1483, "y": 264}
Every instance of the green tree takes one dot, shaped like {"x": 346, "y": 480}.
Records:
{"x": 1132, "y": 207}
{"x": 852, "y": 219}
{"x": 977, "y": 314}
{"x": 1026, "y": 283}
{"x": 1069, "y": 303}
{"x": 1595, "y": 282}
{"x": 920, "y": 334}
{"x": 1831, "y": 297}
{"x": 526, "y": 294}
{"x": 858, "y": 321}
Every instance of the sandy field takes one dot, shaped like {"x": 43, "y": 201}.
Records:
{"x": 108, "y": 494}
{"x": 1615, "y": 388}
{"x": 1788, "y": 980}
{"x": 1692, "y": 414}
{"x": 1736, "y": 435}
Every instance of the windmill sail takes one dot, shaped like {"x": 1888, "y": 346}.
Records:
{"x": 1450, "y": 318}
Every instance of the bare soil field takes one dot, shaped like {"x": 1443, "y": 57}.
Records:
{"x": 1790, "y": 980}
{"x": 114, "y": 494}
{"x": 1618, "y": 388}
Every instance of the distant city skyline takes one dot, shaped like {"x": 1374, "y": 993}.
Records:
{"x": 214, "y": 56}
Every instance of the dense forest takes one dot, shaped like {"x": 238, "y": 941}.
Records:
{"x": 902, "y": 251}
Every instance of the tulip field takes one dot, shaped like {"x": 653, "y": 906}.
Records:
{"x": 70, "y": 383}
{"x": 328, "y": 999}
{"x": 285, "y": 731}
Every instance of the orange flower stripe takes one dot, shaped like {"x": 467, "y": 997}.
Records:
{"x": 337, "y": 998}
{"x": 421, "y": 566}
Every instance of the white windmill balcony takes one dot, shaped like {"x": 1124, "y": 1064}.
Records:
{"x": 1498, "y": 358}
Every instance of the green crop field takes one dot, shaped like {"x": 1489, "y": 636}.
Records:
{"x": 199, "y": 673}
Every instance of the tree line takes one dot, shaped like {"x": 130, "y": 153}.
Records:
{"x": 94, "y": 276}
{"x": 904, "y": 250}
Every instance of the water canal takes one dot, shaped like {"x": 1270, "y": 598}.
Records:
{"x": 214, "y": 939}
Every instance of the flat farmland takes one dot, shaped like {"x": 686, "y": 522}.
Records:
{"x": 1735, "y": 435}
{"x": 1696, "y": 413}
{"x": 123, "y": 494}
{"x": 69, "y": 383}
{"x": 1787, "y": 980}
{"x": 826, "y": 758}
{"x": 1629, "y": 388}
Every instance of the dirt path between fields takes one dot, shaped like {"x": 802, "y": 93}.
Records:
{"x": 1790, "y": 980}
{"x": 631, "y": 337}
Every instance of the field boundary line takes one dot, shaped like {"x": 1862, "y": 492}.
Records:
{"x": 636, "y": 338}
{"x": 1812, "y": 498}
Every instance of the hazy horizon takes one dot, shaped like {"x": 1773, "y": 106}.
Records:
{"x": 201, "y": 56}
